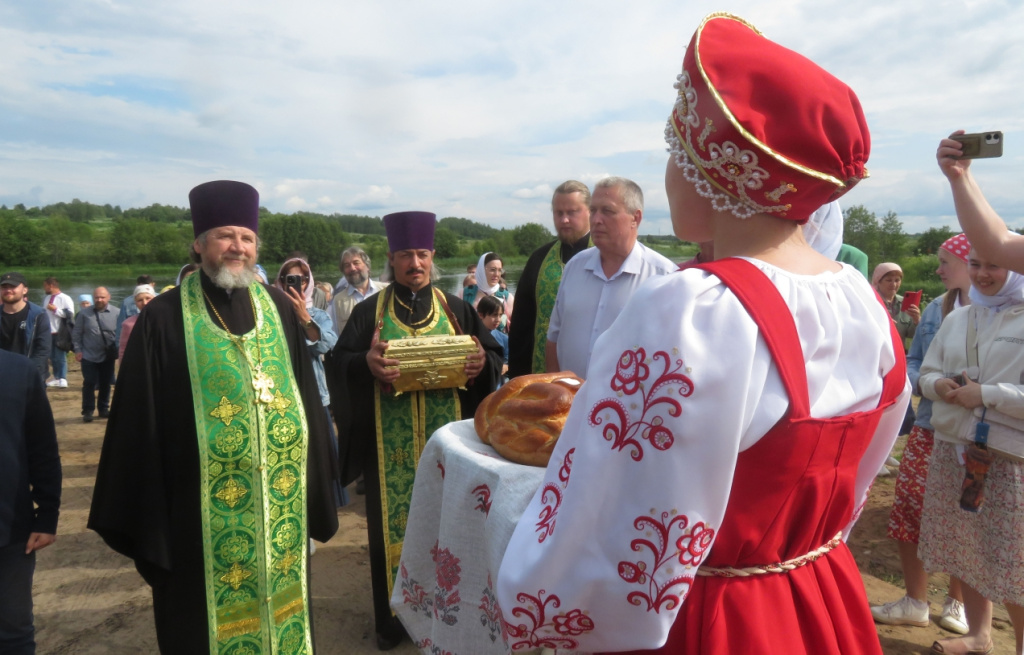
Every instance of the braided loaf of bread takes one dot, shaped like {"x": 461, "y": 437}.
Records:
{"x": 523, "y": 419}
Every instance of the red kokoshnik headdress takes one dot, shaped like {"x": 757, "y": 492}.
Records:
{"x": 759, "y": 128}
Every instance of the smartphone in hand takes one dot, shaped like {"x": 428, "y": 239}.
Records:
{"x": 293, "y": 282}
{"x": 980, "y": 145}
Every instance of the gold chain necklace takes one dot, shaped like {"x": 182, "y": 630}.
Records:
{"x": 261, "y": 382}
{"x": 429, "y": 317}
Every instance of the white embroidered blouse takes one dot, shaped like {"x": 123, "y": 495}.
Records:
{"x": 682, "y": 342}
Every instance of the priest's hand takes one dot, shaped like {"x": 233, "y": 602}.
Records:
{"x": 38, "y": 541}
{"x": 377, "y": 362}
{"x": 475, "y": 362}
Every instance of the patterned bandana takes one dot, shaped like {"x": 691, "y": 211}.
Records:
{"x": 958, "y": 246}
{"x": 758, "y": 128}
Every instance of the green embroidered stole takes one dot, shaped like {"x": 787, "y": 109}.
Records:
{"x": 549, "y": 276}
{"x": 252, "y": 457}
{"x": 404, "y": 422}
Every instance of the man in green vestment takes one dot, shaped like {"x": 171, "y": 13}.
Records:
{"x": 389, "y": 430}
{"x": 216, "y": 467}
{"x": 538, "y": 284}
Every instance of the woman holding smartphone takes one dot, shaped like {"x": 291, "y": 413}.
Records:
{"x": 296, "y": 279}
{"x": 887, "y": 279}
{"x": 974, "y": 363}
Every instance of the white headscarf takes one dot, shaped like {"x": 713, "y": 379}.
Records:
{"x": 823, "y": 231}
{"x": 481, "y": 277}
{"x": 1011, "y": 294}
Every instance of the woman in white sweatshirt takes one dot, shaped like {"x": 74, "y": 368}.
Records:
{"x": 983, "y": 343}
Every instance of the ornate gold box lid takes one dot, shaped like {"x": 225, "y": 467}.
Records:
{"x": 433, "y": 362}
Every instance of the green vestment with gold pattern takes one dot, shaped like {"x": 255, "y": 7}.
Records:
{"x": 404, "y": 422}
{"x": 251, "y": 427}
{"x": 549, "y": 277}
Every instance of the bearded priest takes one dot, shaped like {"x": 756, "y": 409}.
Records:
{"x": 216, "y": 468}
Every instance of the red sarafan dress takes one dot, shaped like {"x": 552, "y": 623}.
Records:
{"x": 793, "y": 491}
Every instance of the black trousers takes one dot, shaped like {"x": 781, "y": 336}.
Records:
{"x": 96, "y": 376}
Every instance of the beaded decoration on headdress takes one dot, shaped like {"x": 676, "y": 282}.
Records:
{"x": 758, "y": 128}
{"x": 720, "y": 201}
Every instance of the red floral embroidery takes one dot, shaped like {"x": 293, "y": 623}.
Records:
{"x": 630, "y": 371}
{"x": 564, "y": 626}
{"x": 483, "y": 499}
{"x": 551, "y": 496}
{"x": 573, "y": 623}
{"x": 692, "y": 545}
{"x": 434, "y": 650}
{"x": 566, "y": 468}
{"x": 490, "y": 617}
{"x": 631, "y": 374}
{"x": 446, "y": 595}
{"x": 413, "y": 594}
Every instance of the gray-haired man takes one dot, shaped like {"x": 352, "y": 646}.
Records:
{"x": 355, "y": 265}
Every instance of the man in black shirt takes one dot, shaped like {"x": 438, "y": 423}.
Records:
{"x": 538, "y": 285}
{"x": 24, "y": 327}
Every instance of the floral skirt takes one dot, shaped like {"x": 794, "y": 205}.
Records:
{"x": 984, "y": 549}
{"x": 905, "y": 517}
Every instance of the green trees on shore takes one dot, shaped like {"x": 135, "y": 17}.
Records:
{"x": 83, "y": 234}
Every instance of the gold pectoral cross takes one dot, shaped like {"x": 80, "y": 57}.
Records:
{"x": 262, "y": 383}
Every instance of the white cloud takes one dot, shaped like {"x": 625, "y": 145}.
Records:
{"x": 457, "y": 107}
{"x": 539, "y": 191}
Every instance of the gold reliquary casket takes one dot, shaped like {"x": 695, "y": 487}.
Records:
{"x": 437, "y": 362}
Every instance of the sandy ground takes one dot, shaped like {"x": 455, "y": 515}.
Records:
{"x": 89, "y": 600}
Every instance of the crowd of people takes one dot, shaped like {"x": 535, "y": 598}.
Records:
{"x": 739, "y": 405}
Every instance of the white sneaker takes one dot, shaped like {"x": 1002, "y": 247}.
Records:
{"x": 884, "y": 472}
{"x": 53, "y": 383}
{"x": 905, "y": 611}
{"x": 953, "y": 618}
{"x": 892, "y": 461}
{"x": 62, "y": 383}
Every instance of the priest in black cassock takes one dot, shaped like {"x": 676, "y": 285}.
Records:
{"x": 542, "y": 275}
{"x": 389, "y": 449}
{"x": 216, "y": 469}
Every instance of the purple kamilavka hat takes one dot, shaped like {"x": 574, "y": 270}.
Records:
{"x": 410, "y": 230}
{"x": 222, "y": 203}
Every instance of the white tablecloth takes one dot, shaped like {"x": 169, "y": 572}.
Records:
{"x": 466, "y": 502}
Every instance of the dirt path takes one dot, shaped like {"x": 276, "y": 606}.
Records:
{"x": 90, "y": 601}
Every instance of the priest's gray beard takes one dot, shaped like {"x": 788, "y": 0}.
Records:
{"x": 226, "y": 279}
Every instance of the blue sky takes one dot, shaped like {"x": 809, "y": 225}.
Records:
{"x": 470, "y": 109}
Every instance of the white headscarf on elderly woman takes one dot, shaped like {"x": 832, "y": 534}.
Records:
{"x": 289, "y": 263}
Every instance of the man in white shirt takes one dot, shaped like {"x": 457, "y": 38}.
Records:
{"x": 597, "y": 282}
{"x": 58, "y": 306}
{"x": 355, "y": 265}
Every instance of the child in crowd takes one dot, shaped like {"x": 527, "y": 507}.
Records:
{"x": 491, "y": 310}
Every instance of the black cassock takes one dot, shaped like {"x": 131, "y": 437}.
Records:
{"x": 146, "y": 501}
{"x": 359, "y": 445}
